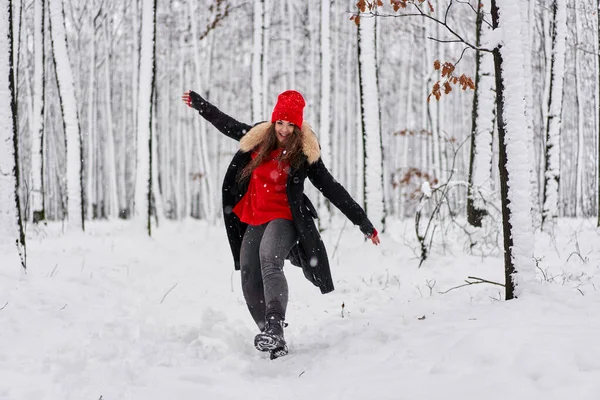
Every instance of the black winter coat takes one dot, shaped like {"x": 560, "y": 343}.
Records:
{"x": 309, "y": 252}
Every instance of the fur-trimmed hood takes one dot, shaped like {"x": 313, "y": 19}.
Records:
{"x": 256, "y": 135}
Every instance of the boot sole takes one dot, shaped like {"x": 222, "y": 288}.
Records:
{"x": 264, "y": 342}
{"x": 279, "y": 352}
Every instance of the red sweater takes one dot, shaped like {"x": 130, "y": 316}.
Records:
{"x": 266, "y": 198}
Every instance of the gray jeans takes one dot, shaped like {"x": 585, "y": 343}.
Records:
{"x": 262, "y": 255}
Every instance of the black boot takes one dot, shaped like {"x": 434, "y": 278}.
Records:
{"x": 271, "y": 338}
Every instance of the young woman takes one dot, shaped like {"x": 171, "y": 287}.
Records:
{"x": 268, "y": 217}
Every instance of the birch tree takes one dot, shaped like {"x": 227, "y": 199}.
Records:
{"x": 598, "y": 116}
{"x": 258, "y": 114}
{"x": 371, "y": 123}
{"x": 481, "y": 127}
{"x": 207, "y": 194}
{"x": 324, "y": 114}
{"x": 68, "y": 105}
{"x": 513, "y": 148}
{"x": 144, "y": 187}
{"x": 11, "y": 227}
{"x": 36, "y": 202}
{"x": 554, "y": 115}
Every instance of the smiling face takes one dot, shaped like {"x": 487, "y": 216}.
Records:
{"x": 283, "y": 130}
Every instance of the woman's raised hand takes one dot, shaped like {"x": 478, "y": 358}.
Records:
{"x": 194, "y": 100}
{"x": 187, "y": 99}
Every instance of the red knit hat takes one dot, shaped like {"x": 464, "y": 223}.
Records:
{"x": 289, "y": 107}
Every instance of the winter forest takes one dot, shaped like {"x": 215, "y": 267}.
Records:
{"x": 468, "y": 130}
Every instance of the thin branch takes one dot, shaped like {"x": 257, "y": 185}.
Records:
{"x": 339, "y": 237}
{"x": 444, "y": 40}
{"x": 475, "y": 11}
{"x": 166, "y": 294}
{"x": 475, "y": 282}
{"x": 485, "y": 281}
{"x": 447, "y": 12}
{"x": 577, "y": 254}
{"x": 424, "y": 15}
{"x": 461, "y": 55}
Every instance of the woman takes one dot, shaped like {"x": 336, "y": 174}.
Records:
{"x": 267, "y": 216}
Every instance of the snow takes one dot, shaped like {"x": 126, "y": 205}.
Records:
{"x": 426, "y": 189}
{"x": 114, "y": 314}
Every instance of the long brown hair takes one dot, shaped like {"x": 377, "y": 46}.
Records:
{"x": 292, "y": 151}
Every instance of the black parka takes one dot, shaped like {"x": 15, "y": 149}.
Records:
{"x": 309, "y": 252}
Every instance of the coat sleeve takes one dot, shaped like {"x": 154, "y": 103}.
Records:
{"x": 224, "y": 123}
{"x": 322, "y": 179}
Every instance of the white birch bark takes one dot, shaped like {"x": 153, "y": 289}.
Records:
{"x": 110, "y": 172}
{"x": 182, "y": 198}
{"x": 579, "y": 165}
{"x": 37, "y": 124}
{"x": 207, "y": 192}
{"x": 482, "y": 167}
{"x": 482, "y": 157}
{"x": 16, "y": 30}
{"x": 312, "y": 27}
{"x": 68, "y": 103}
{"x": 91, "y": 195}
{"x": 554, "y": 116}
{"x": 324, "y": 124}
{"x": 265, "y": 58}
{"x": 370, "y": 112}
{"x": 291, "y": 43}
{"x": 9, "y": 214}
{"x": 143, "y": 186}
{"x": 517, "y": 144}
{"x": 325, "y": 104}
{"x": 136, "y": 63}
{"x": 526, "y": 35}
{"x": 258, "y": 114}
{"x": 358, "y": 151}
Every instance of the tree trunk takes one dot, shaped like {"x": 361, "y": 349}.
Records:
{"x": 258, "y": 113}
{"x": 144, "y": 187}
{"x": 36, "y": 207}
{"x": 91, "y": 197}
{"x": 598, "y": 117}
{"x": 110, "y": 173}
{"x": 11, "y": 225}
{"x": 68, "y": 105}
{"x": 371, "y": 123}
{"x": 553, "y": 123}
{"x": 513, "y": 151}
{"x": 475, "y": 214}
{"x": 325, "y": 105}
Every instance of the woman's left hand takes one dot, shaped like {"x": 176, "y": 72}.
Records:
{"x": 375, "y": 237}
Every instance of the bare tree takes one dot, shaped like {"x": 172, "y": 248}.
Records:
{"x": 554, "y": 115}
{"x": 371, "y": 122}
{"x": 36, "y": 205}
{"x": 144, "y": 182}
{"x": 68, "y": 106}
{"x": 11, "y": 226}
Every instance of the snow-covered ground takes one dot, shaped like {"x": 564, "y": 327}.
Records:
{"x": 112, "y": 314}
